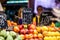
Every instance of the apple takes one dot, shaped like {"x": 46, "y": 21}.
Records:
{"x": 31, "y": 31}
{"x": 26, "y": 31}
{"x": 32, "y": 27}
{"x": 22, "y": 31}
{"x": 30, "y": 35}
{"x": 40, "y": 35}
{"x": 20, "y": 27}
{"x": 29, "y": 25}
{"x": 35, "y": 35}
{"x": 35, "y": 31}
{"x": 26, "y": 36}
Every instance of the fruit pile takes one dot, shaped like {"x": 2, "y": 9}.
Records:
{"x": 6, "y": 35}
{"x": 11, "y": 23}
{"x": 51, "y": 36}
{"x": 31, "y": 32}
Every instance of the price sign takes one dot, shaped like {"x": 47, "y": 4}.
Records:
{"x": 27, "y": 16}
{"x": 45, "y": 20}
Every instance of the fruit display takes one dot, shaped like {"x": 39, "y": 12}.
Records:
{"x": 11, "y": 23}
{"x": 52, "y": 36}
{"x": 6, "y": 35}
{"x": 32, "y": 32}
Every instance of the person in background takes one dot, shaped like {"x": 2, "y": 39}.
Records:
{"x": 38, "y": 15}
{"x": 3, "y": 18}
{"x": 19, "y": 16}
{"x": 42, "y": 17}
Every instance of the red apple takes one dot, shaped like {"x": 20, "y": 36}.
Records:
{"x": 26, "y": 31}
{"x": 22, "y": 31}
{"x": 29, "y": 25}
{"x": 32, "y": 27}
{"x": 21, "y": 27}
{"x": 31, "y": 31}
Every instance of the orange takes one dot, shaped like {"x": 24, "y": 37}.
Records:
{"x": 16, "y": 29}
{"x": 40, "y": 36}
{"x": 38, "y": 29}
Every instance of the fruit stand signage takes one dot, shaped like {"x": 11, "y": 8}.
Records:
{"x": 27, "y": 16}
{"x": 45, "y": 19}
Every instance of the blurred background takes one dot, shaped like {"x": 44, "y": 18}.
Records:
{"x": 11, "y": 7}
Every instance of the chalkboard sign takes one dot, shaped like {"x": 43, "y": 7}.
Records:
{"x": 45, "y": 20}
{"x": 27, "y": 16}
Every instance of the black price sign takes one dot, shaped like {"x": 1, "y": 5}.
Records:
{"x": 45, "y": 19}
{"x": 27, "y": 16}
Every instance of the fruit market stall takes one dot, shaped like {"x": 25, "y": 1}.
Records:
{"x": 30, "y": 32}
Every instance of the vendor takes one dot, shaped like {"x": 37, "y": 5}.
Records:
{"x": 38, "y": 15}
{"x": 42, "y": 17}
